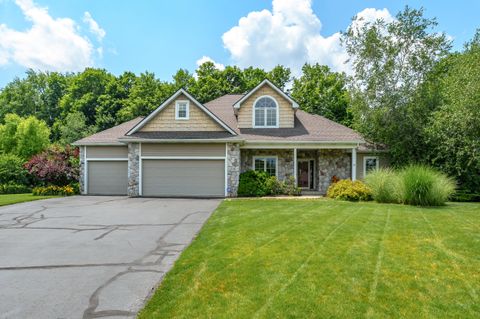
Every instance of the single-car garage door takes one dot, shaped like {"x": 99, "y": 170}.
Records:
{"x": 183, "y": 177}
{"x": 107, "y": 177}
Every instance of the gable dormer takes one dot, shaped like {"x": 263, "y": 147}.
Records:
{"x": 266, "y": 106}
{"x": 181, "y": 112}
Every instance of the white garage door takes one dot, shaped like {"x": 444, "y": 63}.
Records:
{"x": 107, "y": 177}
{"x": 202, "y": 178}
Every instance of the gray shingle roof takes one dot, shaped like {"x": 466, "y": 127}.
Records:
{"x": 308, "y": 128}
{"x": 111, "y": 135}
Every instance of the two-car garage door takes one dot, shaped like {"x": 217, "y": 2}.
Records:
{"x": 183, "y": 170}
{"x": 183, "y": 177}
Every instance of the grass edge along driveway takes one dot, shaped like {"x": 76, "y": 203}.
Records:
{"x": 9, "y": 199}
{"x": 325, "y": 258}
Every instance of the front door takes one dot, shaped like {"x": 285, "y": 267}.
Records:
{"x": 303, "y": 174}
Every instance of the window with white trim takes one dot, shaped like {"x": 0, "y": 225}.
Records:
{"x": 182, "y": 110}
{"x": 266, "y": 164}
{"x": 265, "y": 112}
{"x": 370, "y": 163}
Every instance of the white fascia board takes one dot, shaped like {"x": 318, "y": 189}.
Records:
{"x": 132, "y": 140}
{"x": 301, "y": 145}
{"x": 98, "y": 144}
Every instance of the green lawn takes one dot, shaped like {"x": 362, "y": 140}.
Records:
{"x": 19, "y": 198}
{"x": 327, "y": 259}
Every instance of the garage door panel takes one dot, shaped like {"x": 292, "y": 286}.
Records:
{"x": 183, "y": 177}
{"x": 107, "y": 177}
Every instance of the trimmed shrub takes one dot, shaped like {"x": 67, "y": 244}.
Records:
{"x": 253, "y": 183}
{"x": 290, "y": 187}
{"x": 257, "y": 183}
{"x": 386, "y": 185}
{"x": 424, "y": 186}
{"x": 273, "y": 186}
{"x": 53, "y": 190}
{"x": 12, "y": 170}
{"x": 347, "y": 189}
{"x": 12, "y": 188}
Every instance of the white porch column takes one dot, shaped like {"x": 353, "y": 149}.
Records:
{"x": 295, "y": 165}
{"x": 354, "y": 163}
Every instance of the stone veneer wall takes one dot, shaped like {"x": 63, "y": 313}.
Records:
{"x": 81, "y": 178}
{"x": 233, "y": 168}
{"x": 285, "y": 160}
{"x": 330, "y": 163}
{"x": 133, "y": 169}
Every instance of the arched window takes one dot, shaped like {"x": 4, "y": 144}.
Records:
{"x": 266, "y": 112}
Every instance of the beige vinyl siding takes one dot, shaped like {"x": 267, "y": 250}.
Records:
{"x": 286, "y": 112}
{"x": 382, "y": 162}
{"x": 107, "y": 177}
{"x": 198, "y": 120}
{"x": 184, "y": 149}
{"x": 203, "y": 178}
{"x": 107, "y": 151}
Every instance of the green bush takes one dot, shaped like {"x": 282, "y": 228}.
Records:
{"x": 253, "y": 183}
{"x": 290, "y": 187}
{"x": 347, "y": 189}
{"x": 257, "y": 183}
{"x": 53, "y": 190}
{"x": 12, "y": 188}
{"x": 12, "y": 170}
{"x": 424, "y": 186}
{"x": 386, "y": 185}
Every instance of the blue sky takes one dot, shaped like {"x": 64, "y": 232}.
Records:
{"x": 163, "y": 36}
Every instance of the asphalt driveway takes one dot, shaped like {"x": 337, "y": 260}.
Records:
{"x": 90, "y": 257}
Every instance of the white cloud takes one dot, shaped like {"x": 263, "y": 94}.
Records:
{"x": 93, "y": 26}
{"x": 289, "y": 35}
{"x": 53, "y": 44}
{"x": 204, "y": 59}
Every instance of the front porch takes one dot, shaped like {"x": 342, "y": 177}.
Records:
{"x": 312, "y": 169}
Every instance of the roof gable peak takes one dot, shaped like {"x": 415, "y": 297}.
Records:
{"x": 168, "y": 101}
{"x": 238, "y": 104}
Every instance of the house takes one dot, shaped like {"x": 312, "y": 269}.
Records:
{"x": 186, "y": 148}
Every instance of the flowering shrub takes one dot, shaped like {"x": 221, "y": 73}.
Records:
{"x": 55, "y": 166}
{"x": 53, "y": 190}
{"x": 347, "y": 189}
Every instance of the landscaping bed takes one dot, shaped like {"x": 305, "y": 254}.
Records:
{"x": 324, "y": 259}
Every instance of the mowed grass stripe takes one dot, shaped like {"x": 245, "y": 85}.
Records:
{"x": 262, "y": 259}
{"x": 338, "y": 272}
{"x": 293, "y": 277}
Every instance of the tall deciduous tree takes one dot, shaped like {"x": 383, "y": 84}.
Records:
{"x": 321, "y": 91}
{"x": 390, "y": 61}
{"x": 454, "y": 130}
{"x": 23, "y": 136}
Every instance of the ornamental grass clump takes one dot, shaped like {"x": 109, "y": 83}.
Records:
{"x": 386, "y": 185}
{"x": 424, "y": 186}
{"x": 347, "y": 189}
{"x": 417, "y": 185}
